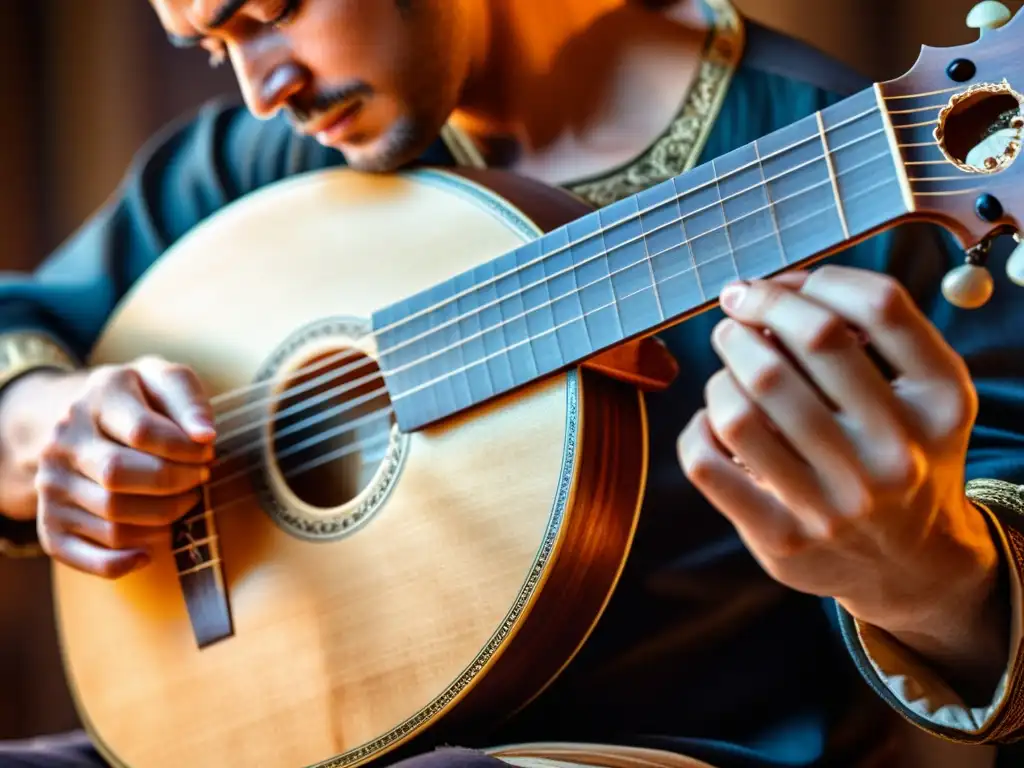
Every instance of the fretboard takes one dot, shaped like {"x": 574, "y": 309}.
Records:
{"x": 642, "y": 263}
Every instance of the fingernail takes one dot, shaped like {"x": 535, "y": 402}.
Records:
{"x": 201, "y": 421}
{"x": 722, "y": 328}
{"x": 732, "y": 295}
{"x": 201, "y": 424}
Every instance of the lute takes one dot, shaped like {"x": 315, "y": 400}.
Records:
{"x": 423, "y": 496}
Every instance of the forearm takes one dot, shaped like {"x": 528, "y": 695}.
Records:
{"x": 29, "y": 410}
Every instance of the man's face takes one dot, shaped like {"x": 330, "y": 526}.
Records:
{"x": 375, "y": 79}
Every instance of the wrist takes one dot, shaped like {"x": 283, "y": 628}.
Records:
{"x": 30, "y": 407}
{"x": 960, "y": 626}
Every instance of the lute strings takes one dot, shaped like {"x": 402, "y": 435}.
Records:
{"x": 332, "y": 375}
{"x": 600, "y": 232}
{"x": 384, "y": 412}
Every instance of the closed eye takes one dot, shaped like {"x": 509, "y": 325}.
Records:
{"x": 283, "y": 14}
{"x": 289, "y": 9}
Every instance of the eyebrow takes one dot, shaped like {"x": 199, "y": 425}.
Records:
{"x": 220, "y": 17}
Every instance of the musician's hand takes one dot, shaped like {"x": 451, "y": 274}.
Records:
{"x": 855, "y": 488}
{"x": 124, "y": 462}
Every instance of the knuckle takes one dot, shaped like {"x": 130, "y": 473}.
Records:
{"x": 854, "y": 502}
{"x": 828, "y": 530}
{"x": 141, "y": 432}
{"x": 181, "y": 506}
{"x": 105, "y": 382}
{"x": 64, "y": 427}
{"x": 117, "y": 537}
{"x": 48, "y": 482}
{"x": 46, "y": 515}
{"x": 102, "y": 375}
{"x": 109, "y": 568}
{"x": 106, "y": 504}
{"x": 110, "y": 470}
{"x": 66, "y": 430}
{"x": 698, "y": 464}
{"x": 890, "y": 303}
{"x": 166, "y": 476}
{"x": 737, "y": 427}
{"x": 956, "y": 408}
{"x": 829, "y": 333}
{"x": 786, "y": 546}
{"x": 51, "y": 453}
{"x": 63, "y": 435}
{"x": 180, "y": 375}
{"x": 767, "y": 379}
{"x": 697, "y": 456}
{"x": 122, "y": 377}
{"x": 904, "y": 472}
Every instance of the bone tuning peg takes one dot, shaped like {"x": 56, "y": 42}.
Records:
{"x": 1015, "y": 264}
{"x": 970, "y": 285}
{"x": 988, "y": 15}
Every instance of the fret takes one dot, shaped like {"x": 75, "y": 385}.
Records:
{"x": 799, "y": 183}
{"x": 832, "y": 175}
{"x": 771, "y": 204}
{"x": 595, "y": 296}
{"x": 701, "y": 209}
{"x": 672, "y": 260}
{"x": 869, "y": 178}
{"x": 635, "y": 301}
{"x": 757, "y": 247}
{"x": 648, "y": 259}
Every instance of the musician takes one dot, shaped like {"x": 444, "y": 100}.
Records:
{"x": 802, "y": 575}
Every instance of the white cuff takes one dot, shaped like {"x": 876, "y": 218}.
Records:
{"x": 923, "y": 692}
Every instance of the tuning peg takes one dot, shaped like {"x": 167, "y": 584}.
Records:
{"x": 1015, "y": 264}
{"x": 970, "y": 285}
{"x": 988, "y": 15}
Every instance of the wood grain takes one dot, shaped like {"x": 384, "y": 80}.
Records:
{"x": 349, "y": 647}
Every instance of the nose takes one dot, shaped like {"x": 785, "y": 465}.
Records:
{"x": 267, "y": 90}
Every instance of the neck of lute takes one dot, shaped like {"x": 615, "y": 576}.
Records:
{"x": 645, "y": 262}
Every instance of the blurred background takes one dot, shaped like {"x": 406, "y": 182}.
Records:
{"x": 88, "y": 82}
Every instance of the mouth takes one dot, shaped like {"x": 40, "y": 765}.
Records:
{"x": 332, "y": 125}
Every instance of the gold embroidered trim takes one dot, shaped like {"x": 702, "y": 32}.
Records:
{"x": 999, "y": 493}
{"x": 680, "y": 146}
{"x": 23, "y": 351}
{"x": 682, "y": 142}
{"x": 991, "y": 494}
{"x": 11, "y": 551}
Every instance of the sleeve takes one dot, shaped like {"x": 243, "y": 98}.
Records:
{"x": 989, "y": 341}
{"x": 52, "y": 317}
{"x": 187, "y": 172}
